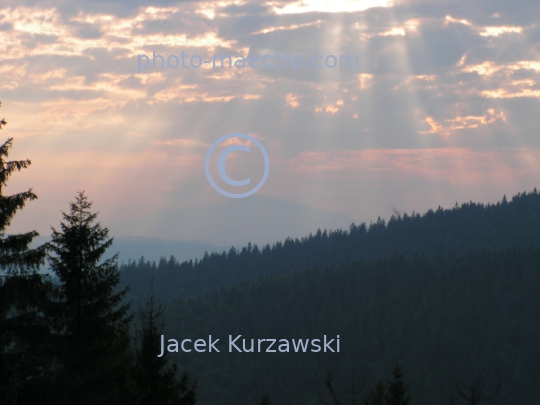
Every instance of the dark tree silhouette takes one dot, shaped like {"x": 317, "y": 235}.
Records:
{"x": 22, "y": 328}
{"x": 376, "y": 395}
{"x": 156, "y": 383}
{"x": 91, "y": 326}
{"x": 396, "y": 393}
{"x": 331, "y": 391}
{"x": 354, "y": 391}
{"x": 15, "y": 255}
{"x": 473, "y": 394}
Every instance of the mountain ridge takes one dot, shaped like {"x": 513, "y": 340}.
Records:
{"x": 468, "y": 227}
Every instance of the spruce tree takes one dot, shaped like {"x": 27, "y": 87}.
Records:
{"x": 331, "y": 391}
{"x": 16, "y": 258}
{"x": 156, "y": 382}
{"x": 91, "y": 325}
{"x": 22, "y": 328}
{"x": 376, "y": 395}
{"x": 397, "y": 389}
{"x": 473, "y": 394}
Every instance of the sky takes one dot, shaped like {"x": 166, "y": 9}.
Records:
{"x": 443, "y": 107}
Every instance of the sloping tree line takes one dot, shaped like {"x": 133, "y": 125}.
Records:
{"x": 65, "y": 339}
{"x": 462, "y": 229}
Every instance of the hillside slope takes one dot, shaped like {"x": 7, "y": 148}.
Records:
{"x": 461, "y": 229}
{"x": 441, "y": 318}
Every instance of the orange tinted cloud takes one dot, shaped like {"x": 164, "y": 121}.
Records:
{"x": 454, "y": 165}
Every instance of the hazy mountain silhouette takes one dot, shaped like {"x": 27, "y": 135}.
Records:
{"x": 133, "y": 247}
{"x": 256, "y": 219}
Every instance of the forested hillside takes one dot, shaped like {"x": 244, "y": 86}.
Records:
{"x": 464, "y": 228}
{"x": 441, "y": 318}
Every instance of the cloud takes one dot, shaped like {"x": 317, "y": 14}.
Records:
{"x": 460, "y": 123}
{"x": 432, "y": 75}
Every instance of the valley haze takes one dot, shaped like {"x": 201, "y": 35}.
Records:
{"x": 257, "y": 219}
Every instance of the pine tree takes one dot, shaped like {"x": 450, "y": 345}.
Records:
{"x": 22, "y": 329}
{"x": 156, "y": 383}
{"x": 90, "y": 323}
{"x": 397, "y": 389}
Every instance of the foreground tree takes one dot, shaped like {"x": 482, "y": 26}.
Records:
{"x": 397, "y": 389}
{"x": 16, "y": 258}
{"x": 155, "y": 380}
{"x": 331, "y": 390}
{"x": 376, "y": 395}
{"x": 22, "y": 291}
{"x": 394, "y": 394}
{"x": 352, "y": 397}
{"x": 473, "y": 394}
{"x": 90, "y": 324}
